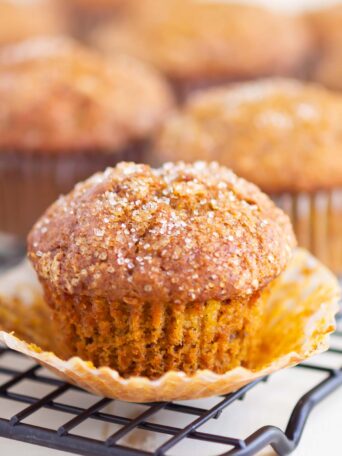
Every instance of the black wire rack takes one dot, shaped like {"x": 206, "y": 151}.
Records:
{"x": 64, "y": 437}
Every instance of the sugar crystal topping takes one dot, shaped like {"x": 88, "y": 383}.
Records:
{"x": 178, "y": 233}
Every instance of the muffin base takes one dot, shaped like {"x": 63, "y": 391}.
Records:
{"x": 298, "y": 314}
{"x": 317, "y": 221}
{"x": 30, "y": 182}
{"x": 151, "y": 339}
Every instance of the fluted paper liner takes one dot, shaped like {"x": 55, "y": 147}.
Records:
{"x": 316, "y": 218}
{"x": 299, "y": 315}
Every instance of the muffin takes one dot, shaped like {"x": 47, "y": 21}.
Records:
{"x": 283, "y": 135}
{"x": 205, "y": 43}
{"x": 20, "y": 20}
{"x": 152, "y": 270}
{"x": 326, "y": 28}
{"x": 65, "y": 113}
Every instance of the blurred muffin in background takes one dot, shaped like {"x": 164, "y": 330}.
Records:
{"x": 283, "y": 135}
{"x": 65, "y": 113}
{"x": 203, "y": 43}
{"x": 24, "y": 19}
{"x": 326, "y": 28}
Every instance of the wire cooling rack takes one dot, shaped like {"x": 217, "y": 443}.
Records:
{"x": 64, "y": 436}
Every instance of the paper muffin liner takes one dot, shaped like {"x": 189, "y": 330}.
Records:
{"x": 150, "y": 339}
{"x": 30, "y": 182}
{"x": 299, "y": 314}
{"x": 317, "y": 221}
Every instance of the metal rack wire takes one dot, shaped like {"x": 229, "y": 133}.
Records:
{"x": 63, "y": 438}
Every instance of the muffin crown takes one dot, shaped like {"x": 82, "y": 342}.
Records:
{"x": 192, "y": 40}
{"x": 281, "y": 134}
{"x": 177, "y": 234}
{"x": 58, "y": 96}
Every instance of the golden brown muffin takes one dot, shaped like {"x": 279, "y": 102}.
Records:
{"x": 150, "y": 270}
{"x": 65, "y": 113}
{"x": 283, "y": 135}
{"x": 23, "y": 19}
{"x": 201, "y": 43}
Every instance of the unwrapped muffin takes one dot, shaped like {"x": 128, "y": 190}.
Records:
{"x": 24, "y": 19}
{"x": 283, "y": 135}
{"x": 65, "y": 113}
{"x": 151, "y": 270}
{"x": 203, "y": 43}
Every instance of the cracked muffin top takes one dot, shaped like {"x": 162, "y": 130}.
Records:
{"x": 283, "y": 135}
{"x": 57, "y": 96}
{"x": 177, "y": 234}
{"x": 22, "y": 19}
{"x": 191, "y": 40}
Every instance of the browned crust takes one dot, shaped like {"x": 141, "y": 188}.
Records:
{"x": 59, "y": 97}
{"x": 190, "y": 40}
{"x": 178, "y": 234}
{"x": 281, "y": 134}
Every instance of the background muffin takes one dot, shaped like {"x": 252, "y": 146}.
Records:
{"x": 326, "y": 28}
{"x": 155, "y": 270}
{"x": 24, "y": 19}
{"x": 283, "y": 135}
{"x": 65, "y": 113}
{"x": 200, "y": 43}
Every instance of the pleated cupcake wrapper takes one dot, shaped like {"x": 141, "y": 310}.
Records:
{"x": 30, "y": 182}
{"x": 317, "y": 221}
{"x": 299, "y": 314}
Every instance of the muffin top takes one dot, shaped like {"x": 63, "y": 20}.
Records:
{"x": 57, "y": 96}
{"x": 177, "y": 234}
{"x": 281, "y": 134}
{"x": 195, "y": 40}
{"x": 21, "y": 19}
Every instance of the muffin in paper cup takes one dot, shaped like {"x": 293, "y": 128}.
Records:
{"x": 153, "y": 270}
{"x": 281, "y": 134}
{"x": 66, "y": 113}
{"x": 298, "y": 315}
{"x": 200, "y": 44}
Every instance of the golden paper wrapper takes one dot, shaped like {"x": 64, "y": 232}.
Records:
{"x": 299, "y": 315}
{"x": 317, "y": 221}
